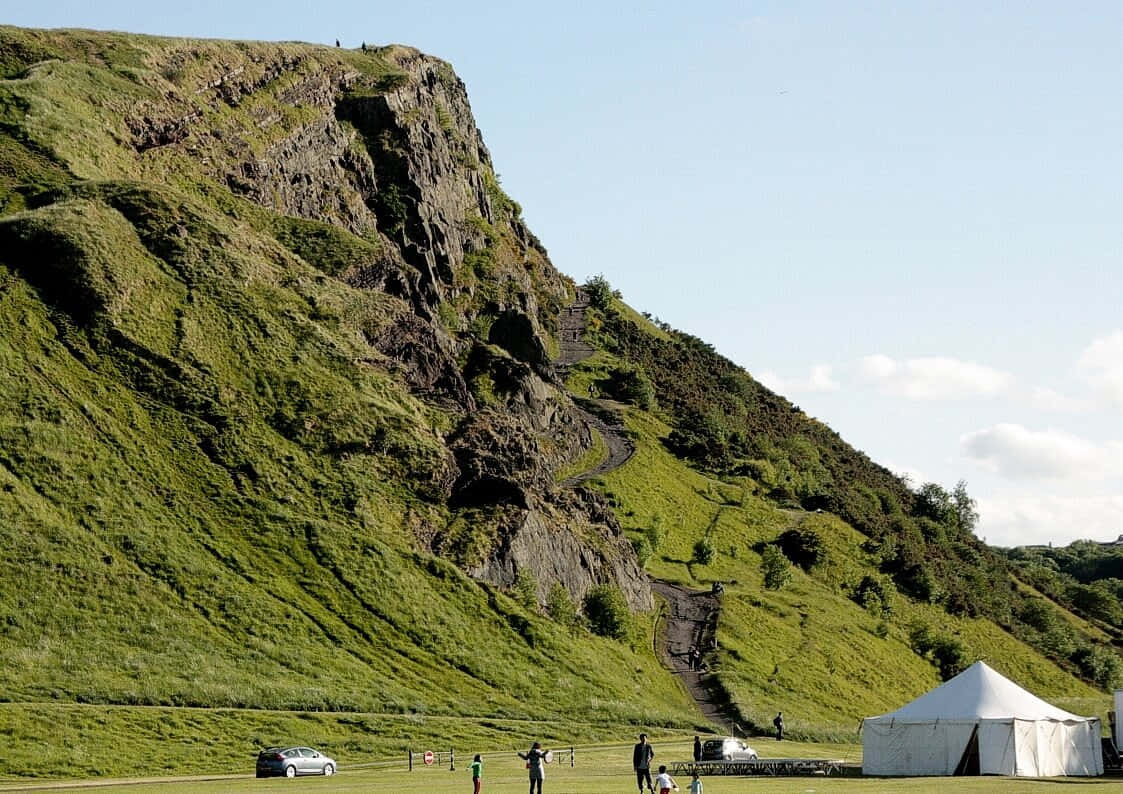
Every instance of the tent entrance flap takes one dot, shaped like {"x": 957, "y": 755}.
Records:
{"x": 969, "y": 761}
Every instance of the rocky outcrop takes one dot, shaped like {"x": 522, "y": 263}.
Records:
{"x": 554, "y": 552}
{"x": 383, "y": 144}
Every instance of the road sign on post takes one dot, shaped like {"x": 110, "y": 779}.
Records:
{"x": 428, "y": 758}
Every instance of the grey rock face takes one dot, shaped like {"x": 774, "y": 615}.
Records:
{"x": 401, "y": 163}
{"x": 555, "y": 553}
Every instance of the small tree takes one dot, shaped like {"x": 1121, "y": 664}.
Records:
{"x": 775, "y": 567}
{"x": 600, "y": 291}
{"x": 560, "y": 607}
{"x": 642, "y": 548}
{"x": 607, "y": 612}
{"x": 704, "y": 551}
{"x": 802, "y": 546}
{"x": 655, "y": 533}
{"x": 631, "y": 385}
{"x": 525, "y": 590}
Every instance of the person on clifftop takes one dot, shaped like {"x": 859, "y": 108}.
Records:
{"x": 642, "y": 754}
{"x": 778, "y": 721}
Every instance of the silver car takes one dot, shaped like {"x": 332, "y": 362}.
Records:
{"x": 728, "y": 749}
{"x": 293, "y": 761}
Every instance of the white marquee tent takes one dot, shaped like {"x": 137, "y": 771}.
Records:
{"x": 981, "y": 723}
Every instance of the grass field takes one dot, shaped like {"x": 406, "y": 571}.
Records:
{"x": 602, "y": 769}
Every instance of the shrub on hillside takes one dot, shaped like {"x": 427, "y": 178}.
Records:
{"x": 525, "y": 590}
{"x": 607, "y": 612}
{"x": 874, "y": 595}
{"x": 803, "y": 546}
{"x": 560, "y": 607}
{"x": 947, "y": 653}
{"x": 600, "y": 292}
{"x": 642, "y": 547}
{"x": 1101, "y": 665}
{"x": 775, "y": 567}
{"x": 630, "y": 385}
{"x": 655, "y": 533}
{"x": 704, "y": 551}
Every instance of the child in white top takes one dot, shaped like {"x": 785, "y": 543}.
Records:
{"x": 664, "y": 782}
{"x": 695, "y": 785}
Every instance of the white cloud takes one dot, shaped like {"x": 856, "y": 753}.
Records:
{"x": 933, "y": 378}
{"x": 1102, "y": 362}
{"x": 1019, "y": 519}
{"x": 1018, "y": 453}
{"x": 915, "y": 476}
{"x": 1051, "y": 401}
{"x": 820, "y": 379}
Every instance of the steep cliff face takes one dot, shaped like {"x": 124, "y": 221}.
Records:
{"x": 374, "y": 153}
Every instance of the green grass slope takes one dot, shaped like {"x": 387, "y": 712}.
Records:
{"x": 807, "y": 649}
{"x": 209, "y": 490}
{"x": 214, "y": 490}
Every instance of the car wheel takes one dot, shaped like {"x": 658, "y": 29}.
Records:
{"x": 752, "y": 757}
{"x": 329, "y": 769}
{"x": 290, "y": 771}
{"x": 727, "y": 758}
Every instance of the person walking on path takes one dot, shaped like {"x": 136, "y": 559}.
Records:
{"x": 642, "y": 754}
{"x": 477, "y": 767}
{"x": 535, "y": 760}
{"x": 665, "y": 782}
{"x": 695, "y": 784}
{"x": 778, "y": 721}
{"x": 697, "y": 749}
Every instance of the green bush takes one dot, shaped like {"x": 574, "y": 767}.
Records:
{"x": 642, "y": 548}
{"x": 1100, "y": 665}
{"x": 600, "y": 292}
{"x": 560, "y": 607}
{"x": 525, "y": 590}
{"x": 947, "y": 653}
{"x": 804, "y": 547}
{"x": 656, "y": 533}
{"x": 775, "y": 567}
{"x": 607, "y": 612}
{"x": 874, "y": 595}
{"x": 704, "y": 551}
{"x": 631, "y": 385}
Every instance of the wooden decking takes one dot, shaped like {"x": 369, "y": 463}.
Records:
{"x": 762, "y": 766}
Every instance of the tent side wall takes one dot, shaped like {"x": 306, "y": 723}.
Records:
{"x": 1027, "y": 748}
{"x": 892, "y": 748}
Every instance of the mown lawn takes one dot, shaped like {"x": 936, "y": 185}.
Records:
{"x": 606, "y": 769}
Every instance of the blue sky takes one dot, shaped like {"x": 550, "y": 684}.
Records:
{"x": 906, "y": 217}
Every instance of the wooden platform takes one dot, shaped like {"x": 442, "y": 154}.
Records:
{"x": 762, "y": 766}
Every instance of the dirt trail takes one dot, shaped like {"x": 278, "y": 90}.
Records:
{"x": 692, "y": 620}
{"x": 691, "y": 615}
{"x": 600, "y": 414}
{"x": 620, "y": 447}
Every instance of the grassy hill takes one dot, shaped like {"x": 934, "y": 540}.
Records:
{"x": 279, "y": 440}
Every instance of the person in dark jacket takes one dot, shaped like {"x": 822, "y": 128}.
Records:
{"x": 642, "y": 754}
{"x": 778, "y": 721}
{"x": 534, "y": 758}
{"x": 697, "y": 749}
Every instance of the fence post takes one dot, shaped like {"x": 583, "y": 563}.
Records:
{"x": 572, "y": 756}
{"x": 411, "y": 759}
{"x": 451, "y": 760}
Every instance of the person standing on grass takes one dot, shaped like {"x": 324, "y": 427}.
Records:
{"x": 695, "y": 784}
{"x": 778, "y": 721}
{"x": 477, "y": 767}
{"x": 665, "y": 782}
{"x": 697, "y": 749}
{"x": 642, "y": 754}
{"x": 535, "y": 762}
